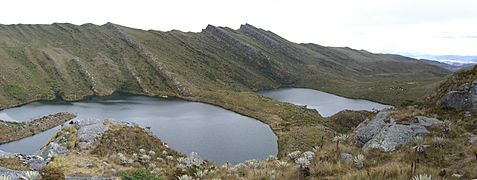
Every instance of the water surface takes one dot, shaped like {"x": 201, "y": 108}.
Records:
{"x": 216, "y": 134}
{"x": 327, "y": 104}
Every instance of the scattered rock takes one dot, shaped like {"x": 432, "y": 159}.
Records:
{"x": 36, "y": 162}
{"x": 85, "y": 164}
{"x": 369, "y": 128}
{"x": 426, "y": 121}
{"x": 347, "y": 157}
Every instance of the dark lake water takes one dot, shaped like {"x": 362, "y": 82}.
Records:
{"x": 216, "y": 134}
{"x": 327, "y": 104}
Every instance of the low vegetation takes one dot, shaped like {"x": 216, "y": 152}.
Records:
{"x": 12, "y": 131}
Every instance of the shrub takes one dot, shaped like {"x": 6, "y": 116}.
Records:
{"x": 52, "y": 173}
{"x": 138, "y": 174}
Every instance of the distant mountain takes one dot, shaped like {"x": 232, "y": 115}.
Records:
{"x": 73, "y": 62}
{"x": 448, "y": 65}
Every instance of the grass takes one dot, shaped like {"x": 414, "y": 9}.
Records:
{"x": 14, "y": 164}
{"x": 12, "y": 131}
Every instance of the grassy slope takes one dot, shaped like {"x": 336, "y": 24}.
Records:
{"x": 12, "y": 131}
{"x": 219, "y": 65}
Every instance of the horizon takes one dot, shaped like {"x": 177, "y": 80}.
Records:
{"x": 396, "y": 27}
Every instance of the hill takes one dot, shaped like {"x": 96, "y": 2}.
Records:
{"x": 72, "y": 62}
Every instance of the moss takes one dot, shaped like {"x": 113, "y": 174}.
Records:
{"x": 14, "y": 164}
{"x": 138, "y": 174}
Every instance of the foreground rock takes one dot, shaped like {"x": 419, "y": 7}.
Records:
{"x": 386, "y": 135}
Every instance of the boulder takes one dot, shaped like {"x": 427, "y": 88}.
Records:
{"x": 426, "y": 121}
{"x": 366, "y": 130}
{"x": 53, "y": 149}
{"x": 461, "y": 100}
{"x": 389, "y": 136}
{"x": 88, "y": 131}
{"x": 346, "y": 157}
{"x": 393, "y": 136}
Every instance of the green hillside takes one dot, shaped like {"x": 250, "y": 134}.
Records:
{"x": 44, "y": 61}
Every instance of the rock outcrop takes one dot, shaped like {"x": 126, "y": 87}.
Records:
{"x": 89, "y": 130}
{"x": 461, "y": 100}
{"x": 390, "y": 136}
{"x": 369, "y": 128}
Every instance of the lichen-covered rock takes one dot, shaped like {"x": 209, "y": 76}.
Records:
{"x": 369, "y": 128}
{"x": 346, "y": 157}
{"x": 88, "y": 131}
{"x": 461, "y": 100}
{"x": 53, "y": 149}
{"x": 388, "y": 136}
{"x": 393, "y": 136}
{"x": 36, "y": 162}
{"x": 426, "y": 121}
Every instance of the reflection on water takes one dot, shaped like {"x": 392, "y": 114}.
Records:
{"x": 327, "y": 104}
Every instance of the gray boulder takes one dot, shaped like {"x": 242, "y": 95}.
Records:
{"x": 366, "y": 130}
{"x": 53, "y": 149}
{"x": 394, "y": 136}
{"x": 461, "y": 100}
{"x": 88, "y": 131}
{"x": 389, "y": 136}
{"x": 346, "y": 157}
{"x": 425, "y": 121}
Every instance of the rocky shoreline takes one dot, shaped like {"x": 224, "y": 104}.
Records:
{"x": 12, "y": 131}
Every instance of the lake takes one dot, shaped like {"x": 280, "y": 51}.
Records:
{"x": 216, "y": 134}
{"x": 325, "y": 103}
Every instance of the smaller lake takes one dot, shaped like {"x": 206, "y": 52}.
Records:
{"x": 216, "y": 134}
{"x": 327, "y": 104}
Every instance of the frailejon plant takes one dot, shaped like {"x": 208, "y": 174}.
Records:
{"x": 31, "y": 175}
{"x": 6, "y": 178}
{"x": 184, "y": 177}
{"x": 419, "y": 145}
{"x": 293, "y": 155}
{"x": 308, "y": 155}
{"x": 282, "y": 164}
{"x": 201, "y": 174}
{"x": 438, "y": 142}
{"x": 422, "y": 177}
{"x": 358, "y": 161}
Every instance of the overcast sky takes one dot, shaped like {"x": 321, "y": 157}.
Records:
{"x": 417, "y": 26}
